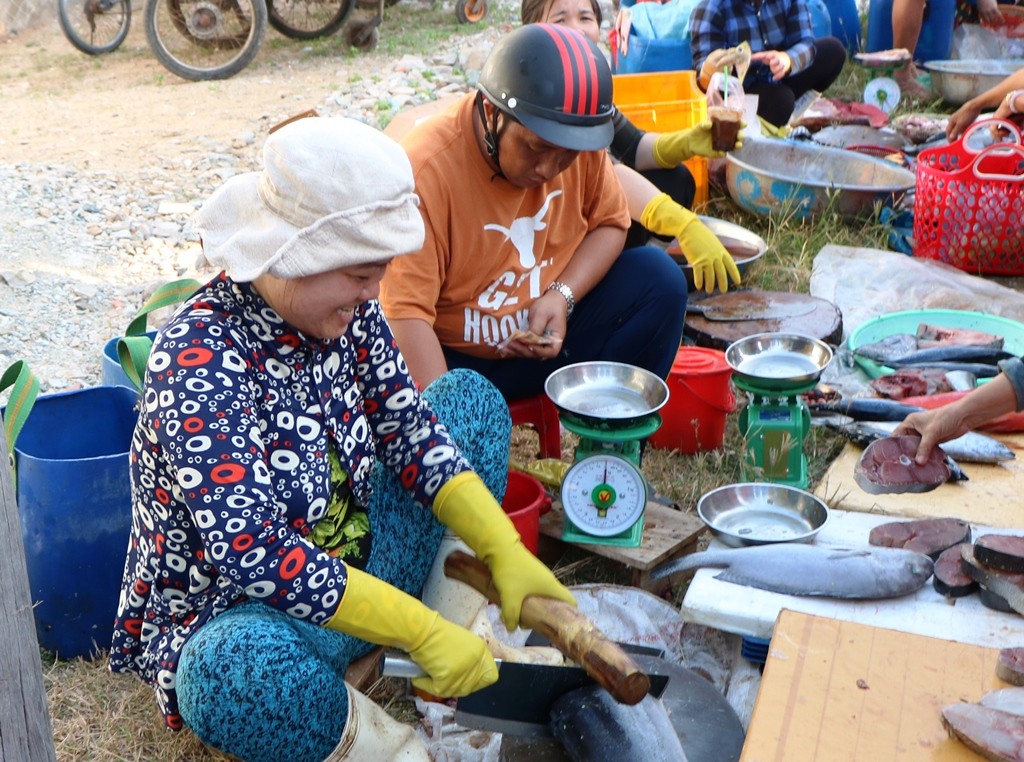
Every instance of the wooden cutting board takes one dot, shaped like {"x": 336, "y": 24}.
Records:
{"x": 822, "y": 321}
{"x": 991, "y": 496}
{"x": 845, "y": 692}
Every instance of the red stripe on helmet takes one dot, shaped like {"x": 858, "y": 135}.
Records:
{"x": 575, "y": 57}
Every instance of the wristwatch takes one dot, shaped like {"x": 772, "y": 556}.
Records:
{"x": 1010, "y": 99}
{"x": 564, "y": 290}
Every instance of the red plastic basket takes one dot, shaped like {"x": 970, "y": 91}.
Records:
{"x": 969, "y": 204}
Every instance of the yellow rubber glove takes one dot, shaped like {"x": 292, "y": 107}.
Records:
{"x": 712, "y": 264}
{"x": 456, "y": 661}
{"x": 673, "y": 148}
{"x": 465, "y": 506}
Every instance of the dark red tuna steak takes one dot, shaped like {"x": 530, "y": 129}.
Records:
{"x": 928, "y": 536}
{"x": 1008, "y": 586}
{"x": 950, "y": 579}
{"x": 888, "y": 466}
{"x": 1010, "y": 666}
{"x": 1001, "y": 551}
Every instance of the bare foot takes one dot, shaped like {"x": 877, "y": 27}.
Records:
{"x": 910, "y": 86}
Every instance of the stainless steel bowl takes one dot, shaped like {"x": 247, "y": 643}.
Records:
{"x": 602, "y": 390}
{"x": 762, "y": 513}
{"x": 778, "y": 361}
{"x": 957, "y": 81}
{"x": 771, "y": 176}
{"x": 746, "y": 246}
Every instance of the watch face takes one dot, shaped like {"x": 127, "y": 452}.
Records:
{"x": 604, "y": 495}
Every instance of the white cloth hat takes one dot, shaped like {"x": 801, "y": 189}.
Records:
{"x": 333, "y": 192}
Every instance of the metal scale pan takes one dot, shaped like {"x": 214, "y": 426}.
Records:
{"x": 778, "y": 362}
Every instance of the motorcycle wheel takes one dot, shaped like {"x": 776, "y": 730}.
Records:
{"x": 95, "y": 26}
{"x": 205, "y": 39}
{"x": 308, "y": 19}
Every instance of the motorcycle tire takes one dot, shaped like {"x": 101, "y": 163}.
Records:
{"x": 205, "y": 39}
{"x": 308, "y": 19}
{"x": 95, "y": 27}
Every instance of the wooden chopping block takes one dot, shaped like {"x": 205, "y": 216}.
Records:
{"x": 567, "y": 629}
{"x": 818, "y": 318}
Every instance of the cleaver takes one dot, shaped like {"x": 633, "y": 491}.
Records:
{"x": 754, "y": 311}
{"x": 519, "y": 704}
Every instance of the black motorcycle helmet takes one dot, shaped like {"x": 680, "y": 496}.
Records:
{"x": 555, "y": 82}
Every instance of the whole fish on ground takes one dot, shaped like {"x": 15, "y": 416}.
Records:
{"x": 813, "y": 570}
{"x": 969, "y": 448}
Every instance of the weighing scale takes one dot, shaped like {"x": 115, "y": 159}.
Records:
{"x": 882, "y": 91}
{"x": 775, "y": 369}
{"x": 604, "y": 492}
{"x": 774, "y": 425}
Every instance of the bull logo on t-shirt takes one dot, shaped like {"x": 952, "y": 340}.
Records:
{"x": 521, "y": 233}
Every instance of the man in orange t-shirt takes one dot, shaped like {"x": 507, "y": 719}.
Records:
{"x": 525, "y": 227}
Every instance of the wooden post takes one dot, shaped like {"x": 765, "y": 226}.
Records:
{"x": 25, "y": 730}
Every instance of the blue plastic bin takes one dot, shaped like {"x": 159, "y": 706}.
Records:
{"x": 936, "y": 40}
{"x": 75, "y": 508}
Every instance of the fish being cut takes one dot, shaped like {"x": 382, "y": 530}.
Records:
{"x": 887, "y": 466}
{"x": 994, "y": 734}
{"x": 971, "y": 447}
{"x": 812, "y": 570}
{"x": 928, "y": 536}
{"x": 591, "y": 725}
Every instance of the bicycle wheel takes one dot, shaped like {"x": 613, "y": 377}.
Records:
{"x": 308, "y": 19}
{"x": 95, "y": 26}
{"x": 205, "y": 39}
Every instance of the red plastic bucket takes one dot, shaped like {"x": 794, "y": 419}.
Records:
{"x": 525, "y": 502}
{"x": 700, "y": 398}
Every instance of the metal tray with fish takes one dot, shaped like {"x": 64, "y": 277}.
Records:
{"x": 760, "y": 513}
{"x": 906, "y": 322}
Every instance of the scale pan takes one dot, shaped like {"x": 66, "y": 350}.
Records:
{"x": 778, "y": 362}
{"x": 762, "y": 513}
{"x": 606, "y": 391}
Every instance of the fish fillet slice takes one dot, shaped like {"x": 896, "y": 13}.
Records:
{"x": 994, "y": 734}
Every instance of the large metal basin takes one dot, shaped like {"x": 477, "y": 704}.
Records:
{"x": 803, "y": 178}
{"x": 958, "y": 81}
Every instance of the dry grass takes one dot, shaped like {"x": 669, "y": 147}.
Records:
{"x": 101, "y": 717}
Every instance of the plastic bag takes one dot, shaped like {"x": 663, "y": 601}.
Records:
{"x": 725, "y": 90}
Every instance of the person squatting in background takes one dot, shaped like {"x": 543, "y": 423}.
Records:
{"x": 786, "y": 61}
{"x": 659, "y": 189}
{"x": 526, "y": 225}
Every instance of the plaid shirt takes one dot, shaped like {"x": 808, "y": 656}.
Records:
{"x": 769, "y": 25}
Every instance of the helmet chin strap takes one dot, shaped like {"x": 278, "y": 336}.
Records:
{"x": 490, "y": 133}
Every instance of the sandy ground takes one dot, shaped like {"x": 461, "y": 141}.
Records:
{"x": 122, "y": 110}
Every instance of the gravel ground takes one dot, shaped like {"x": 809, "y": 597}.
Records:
{"x": 83, "y": 246}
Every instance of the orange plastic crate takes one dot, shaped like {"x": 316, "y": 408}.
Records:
{"x": 666, "y": 101}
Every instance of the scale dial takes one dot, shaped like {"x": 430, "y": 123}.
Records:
{"x": 604, "y": 495}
